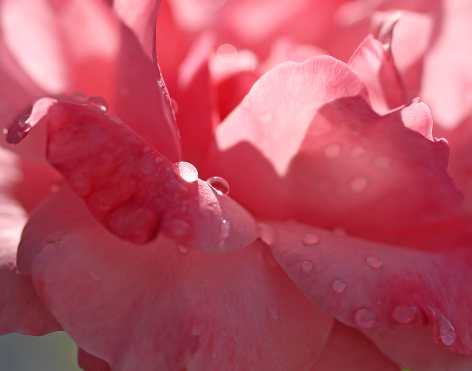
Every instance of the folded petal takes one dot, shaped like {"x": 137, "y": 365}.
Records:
{"x": 348, "y": 350}
{"x": 103, "y": 59}
{"x": 383, "y": 290}
{"x": 21, "y": 310}
{"x": 161, "y": 308}
{"x": 90, "y": 363}
{"x": 321, "y": 155}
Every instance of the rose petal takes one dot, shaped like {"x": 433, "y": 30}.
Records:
{"x": 380, "y": 288}
{"x": 348, "y": 350}
{"x": 20, "y": 308}
{"x": 90, "y": 363}
{"x": 314, "y": 150}
{"x": 163, "y": 309}
{"x": 104, "y": 59}
{"x": 132, "y": 189}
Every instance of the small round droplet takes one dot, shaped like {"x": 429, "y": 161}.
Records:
{"x": 307, "y": 266}
{"x": 311, "y": 239}
{"x": 339, "y": 286}
{"x": 404, "y": 314}
{"x": 98, "y": 102}
{"x": 219, "y": 184}
{"x": 447, "y": 332}
{"x": 332, "y": 151}
{"x": 374, "y": 262}
{"x": 266, "y": 233}
{"x": 178, "y": 228}
{"x": 359, "y": 184}
{"x": 365, "y": 318}
{"x": 187, "y": 171}
{"x": 183, "y": 249}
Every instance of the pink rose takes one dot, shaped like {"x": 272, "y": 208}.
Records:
{"x": 331, "y": 233}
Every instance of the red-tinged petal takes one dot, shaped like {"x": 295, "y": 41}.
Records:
{"x": 90, "y": 363}
{"x": 20, "y": 308}
{"x": 379, "y": 288}
{"x": 322, "y": 155}
{"x": 158, "y": 308}
{"x": 348, "y": 350}
{"x": 131, "y": 188}
{"x": 374, "y": 64}
{"x": 103, "y": 59}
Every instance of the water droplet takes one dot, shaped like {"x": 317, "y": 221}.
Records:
{"x": 404, "y": 314}
{"x": 365, "y": 318}
{"x": 225, "y": 229}
{"x": 186, "y": 171}
{"x": 311, "y": 239}
{"x": 447, "y": 332}
{"x": 183, "y": 249}
{"x": 339, "y": 286}
{"x": 374, "y": 262}
{"x": 307, "y": 266}
{"x": 332, "y": 151}
{"x": 178, "y": 228}
{"x": 98, "y": 102}
{"x": 357, "y": 151}
{"x": 359, "y": 184}
{"x": 219, "y": 184}
{"x": 266, "y": 233}
{"x": 382, "y": 162}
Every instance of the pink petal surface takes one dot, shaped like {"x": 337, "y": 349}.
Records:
{"x": 131, "y": 188}
{"x": 104, "y": 59}
{"x": 388, "y": 292}
{"x": 90, "y": 363}
{"x": 161, "y": 308}
{"x": 348, "y": 350}
{"x": 313, "y": 149}
{"x": 21, "y": 310}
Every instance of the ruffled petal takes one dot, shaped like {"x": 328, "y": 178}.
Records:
{"x": 161, "y": 308}
{"x": 348, "y": 350}
{"x": 383, "y": 290}
{"x": 21, "y": 310}
{"x": 103, "y": 59}
{"x": 321, "y": 155}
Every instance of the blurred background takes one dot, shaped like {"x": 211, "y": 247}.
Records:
{"x": 54, "y": 352}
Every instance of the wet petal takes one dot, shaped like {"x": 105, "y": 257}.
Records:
{"x": 131, "y": 188}
{"x": 104, "y": 59}
{"x": 164, "y": 309}
{"x": 389, "y": 290}
{"x": 348, "y": 350}
{"x": 321, "y": 155}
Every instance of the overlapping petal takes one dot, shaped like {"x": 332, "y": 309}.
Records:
{"x": 160, "y": 308}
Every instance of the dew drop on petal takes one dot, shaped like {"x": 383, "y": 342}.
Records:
{"x": 219, "y": 184}
{"x": 447, "y": 332}
{"x": 339, "y": 286}
{"x": 332, "y": 151}
{"x": 404, "y": 314}
{"x": 98, "y": 102}
{"x": 186, "y": 171}
{"x": 359, "y": 184}
{"x": 311, "y": 239}
{"x": 374, "y": 262}
{"x": 307, "y": 266}
{"x": 365, "y": 318}
{"x": 182, "y": 249}
{"x": 266, "y": 233}
{"x": 225, "y": 229}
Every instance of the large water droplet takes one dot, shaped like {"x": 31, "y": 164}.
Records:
{"x": 365, "y": 318}
{"x": 447, "y": 331}
{"x": 374, "y": 262}
{"x": 404, "y": 314}
{"x": 186, "y": 171}
{"x": 311, "y": 239}
{"x": 332, "y": 151}
{"x": 339, "y": 286}
{"x": 219, "y": 184}
{"x": 98, "y": 102}
{"x": 359, "y": 184}
{"x": 307, "y": 266}
{"x": 266, "y": 233}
